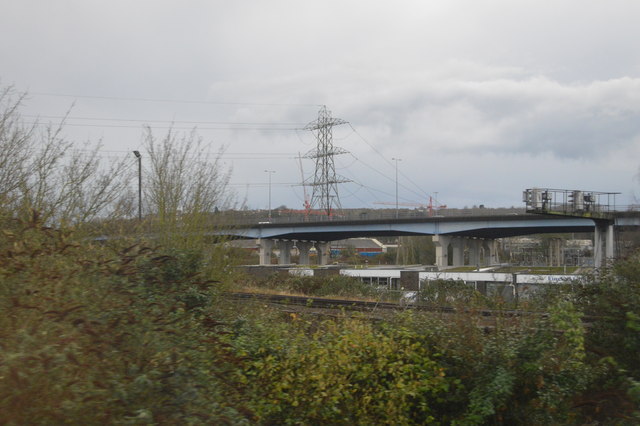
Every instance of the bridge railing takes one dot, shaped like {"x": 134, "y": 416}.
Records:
{"x": 253, "y": 217}
{"x": 282, "y": 217}
{"x": 572, "y": 202}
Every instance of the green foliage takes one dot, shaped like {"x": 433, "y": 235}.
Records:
{"x": 331, "y": 285}
{"x": 93, "y": 336}
{"x": 387, "y": 258}
{"x": 100, "y": 334}
{"x": 450, "y": 293}
{"x": 521, "y": 370}
{"x": 614, "y": 299}
{"x": 611, "y": 303}
{"x": 350, "y": 255}
{"x": 346, "y": 372}
{"x": 416, "y": 250}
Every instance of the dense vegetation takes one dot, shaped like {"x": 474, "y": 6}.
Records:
{"x": 94, "y": 334}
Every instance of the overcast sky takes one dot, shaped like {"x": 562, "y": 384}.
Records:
{"x": 479, "y": 99}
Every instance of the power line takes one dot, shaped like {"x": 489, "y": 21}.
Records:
{"x": 262, "y": 184}
{"x": 353, "y": 194}
{"x": 374, "y": 189}
{"x": 136, "y": 120}
{"x": 127, "y": 151}
{"x": 194, "y": 157}
{"x": 125, "y": 126}
{"x": 386, "y": 176}
{"x": 423, "y": 192}
{"x": 224, "y": 155}
{"x": 161, "y": 100}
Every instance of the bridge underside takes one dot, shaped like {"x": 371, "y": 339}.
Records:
{"x": 475, "y": 227}
{"x": 473, "y": 234}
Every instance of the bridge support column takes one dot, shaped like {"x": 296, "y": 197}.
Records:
{"x": 494, "y": 252}
{"x": 598, "y": 258}
{"x": 442, "y": 250}
{"x": 303, "y": 251}
{"x": 324, "y": 252}
{"x": 604, "y": 235}
{"x": 555, "y": 252}
{"x": 265, "y": 247}
{"x": 610, "y": 243}
{"x": 490, "y": 252}
{"x": 284, "y": 252}
{"x": 458, "y": 251}
{"x": 474, "y": 251}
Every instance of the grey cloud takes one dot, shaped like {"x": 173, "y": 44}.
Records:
{"x": 532, "y": 116}
{"x": 448, "y": 83}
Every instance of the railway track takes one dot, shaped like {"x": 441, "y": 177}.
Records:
{"x": 378, "y": 311}
{"x": 365, "y": 306}
{"x": 316, "y": 302}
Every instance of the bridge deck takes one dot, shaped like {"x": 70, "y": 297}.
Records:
{"x": 474, "y": 226}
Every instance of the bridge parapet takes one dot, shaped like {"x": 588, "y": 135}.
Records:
{"x": 251, "y": 217}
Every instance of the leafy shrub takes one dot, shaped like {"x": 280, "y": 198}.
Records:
{"x": 450, "y": 293}
{"x": 90, "y": 335}
{"x": 346, "y": 372}
{"x": 95, "y": 334}
{"x": 332, "y": 285}
{"x": 611, "y": 302}
{"x": 613, "y": 298}
{"x": 514, "y": 370}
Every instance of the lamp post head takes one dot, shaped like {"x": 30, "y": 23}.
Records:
{"x": 137, "y": 154}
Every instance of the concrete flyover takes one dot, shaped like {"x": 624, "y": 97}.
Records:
{"x": 475, "y": 233}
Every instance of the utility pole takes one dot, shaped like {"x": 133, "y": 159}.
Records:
{"x": 270, "y": 172}
{"x": 436, "y": 203}
{"x": 396, "y": 160}
{"x": 139, "y": 157}
{"x": 325, "y": 181}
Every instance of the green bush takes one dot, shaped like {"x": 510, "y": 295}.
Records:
{"x": 346, "y": 372}
{"x": 613, "y": 300}
{"x": 89, "y": 335}
{"x": 99, "y": 334}
{"x": 451, "y": 293}
{"x": 332, "y": 285}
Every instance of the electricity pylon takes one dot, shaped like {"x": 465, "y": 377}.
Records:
{"x": 325, "y": 181}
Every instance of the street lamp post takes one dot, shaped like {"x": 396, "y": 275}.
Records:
{"x": 270, "y": 172}
{"x": 436, "y": 203}
{"x": 139, "y": 157}
{"x": 396, "y": 160}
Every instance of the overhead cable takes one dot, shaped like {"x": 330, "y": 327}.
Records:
{"x": 160, "y": 100}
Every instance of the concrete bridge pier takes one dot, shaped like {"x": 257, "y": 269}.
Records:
{"x": 265, "y": 247}
{"x": 457, "y": 243}
{"x": 284, "y": 247}
{"x": 474, "y": 251}
{"x": 284, "y": 252}
{"x": 303, "y": 251}
{"x": 604, "y": 248}
{"x": 324, "y": 252}
{"x": 610, "y": 242}
{"x": 442, "y": 250}
{"x": 490, "y": 247}
{"x": 556, "y": 255}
